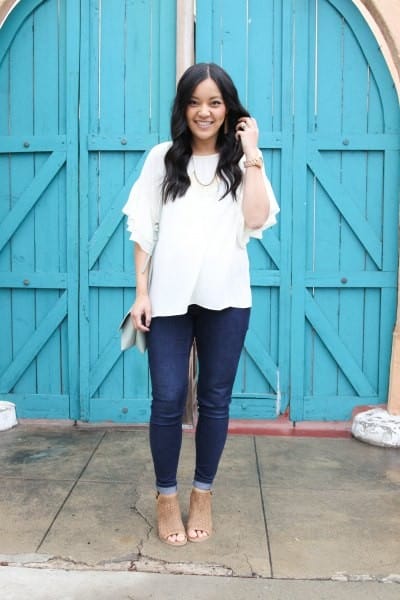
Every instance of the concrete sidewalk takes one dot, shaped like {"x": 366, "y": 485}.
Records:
{"x": 294, "y": 518}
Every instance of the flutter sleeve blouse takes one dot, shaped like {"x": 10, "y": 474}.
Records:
{"x": 198, "y": 242}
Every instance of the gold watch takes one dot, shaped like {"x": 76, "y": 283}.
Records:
{"x": 254, "y": 162}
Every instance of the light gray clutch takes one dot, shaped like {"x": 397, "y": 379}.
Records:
{"x": 130, "y": 336}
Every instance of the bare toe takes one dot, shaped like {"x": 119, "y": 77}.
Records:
{"x": 199, "y": 527}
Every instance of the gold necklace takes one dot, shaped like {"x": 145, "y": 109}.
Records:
{"x": 214, "y": 177}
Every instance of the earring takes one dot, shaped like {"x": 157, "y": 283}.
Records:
{"x": 226, "y": 125}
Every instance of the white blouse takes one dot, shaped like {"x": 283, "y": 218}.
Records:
{"x": 200, "y": 256}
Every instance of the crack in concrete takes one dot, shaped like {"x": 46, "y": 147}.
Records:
{"x": 146, "y": 564}
{"x": 150, "y": 528}
{"x": 253, "y": 573}
{"x": 348, "y": 577}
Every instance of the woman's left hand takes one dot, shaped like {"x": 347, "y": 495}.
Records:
{"x": 247, "y": 133}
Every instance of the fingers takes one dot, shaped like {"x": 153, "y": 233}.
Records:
{"x": 247, "y": 133}
{"x": 246, "y": 124}
{"x": 141, "y": 316}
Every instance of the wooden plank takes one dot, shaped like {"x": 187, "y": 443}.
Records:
{"x": 262, "y": 60}
{"x": 46, "y": 64}
{"x": 346, "y": 202}
{"x": 205, "y": 23}
{"x": 89, "y": 110}
{"x": 256, "y": 350}
{"x": 30, "y": 196}
{"x": 299, "y": 207}
{"x": 353, "y": 329}
{"x": 21, "y": 173}
{"x": 120, "y": 410}
{"x": 263, "y": 345}
{"x": 265, "y": 278}
{"x": 138, "y": 68}
{"x": 245, "y": 406}
{"x": 33, "y": 280}
{"x": 113, "y": 217}
{"x": 33, "y": 343}
{"x": 72, "y": 109}
{"x": 233, "y": 36}
{"x": 104, "y": 362}
{"x": 39, "y": 406}
{"x": 355, "y": 91}
{"x": 351, "y": 279}
{"x": 327, "y": 39}
{"x": 112, "y": 279}
{"x": 272, "y": 246}
{"x": 11, "y": 144}
{"x": 324, "y": 247}
{"x": 375, "y": 59}
{"x": 129, "y": 142}
{"x": 12, "y": 25}
{"x": 163, "y": 96}
{"x": 329, "y": 336}
{"x": 5, "y": 254}
{"x": 105, "y": 183}
{"x": 5, "y": 260}
{"x": 349, "y": 141}
{"x": 333, "y": 408}
{"x": 283, "y": 187}
{"x": 111, "y": 67}
{"x": 47, "y": 249}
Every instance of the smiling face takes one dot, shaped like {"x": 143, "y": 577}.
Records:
{"x": 205, "y": 115}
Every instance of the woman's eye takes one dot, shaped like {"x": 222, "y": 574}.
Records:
{"x": 192, "y": 102}
{"x": 216, "y": 103}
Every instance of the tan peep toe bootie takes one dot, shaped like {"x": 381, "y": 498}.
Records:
{"x": 169, "y": 519}
{"x": 200, "y": 518}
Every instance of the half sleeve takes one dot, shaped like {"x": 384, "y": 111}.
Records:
{"x": 144, "y": 202}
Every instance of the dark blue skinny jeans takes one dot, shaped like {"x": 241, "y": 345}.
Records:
{"x": 219, "y": 336}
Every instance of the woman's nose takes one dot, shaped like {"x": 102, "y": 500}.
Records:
{"x": 204, "y": 110}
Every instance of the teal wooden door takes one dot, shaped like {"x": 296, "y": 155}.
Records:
{"x": 127, "y": 86}
{"x": 252, "y": 42}
{"x": 345, "y": 214}
{"x": 324, "y": 280}
{"x": 39, "y": 209}
{"x": 85, "y": 90}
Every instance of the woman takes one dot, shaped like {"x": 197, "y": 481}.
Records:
{"x": 205, "y": 194}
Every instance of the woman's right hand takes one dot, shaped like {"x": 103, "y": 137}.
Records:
{"x": 141, "y": 312}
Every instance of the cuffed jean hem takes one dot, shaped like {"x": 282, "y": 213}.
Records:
{"x": 202, "y": 486}
{"x": 167, "y": 491}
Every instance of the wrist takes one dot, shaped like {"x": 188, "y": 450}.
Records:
{"x": 251, "y": 153}
{"x": 253, "y": 161}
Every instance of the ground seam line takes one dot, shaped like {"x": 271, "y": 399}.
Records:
{"x": 70, "y": 492}
{"x": 264, "y": 510}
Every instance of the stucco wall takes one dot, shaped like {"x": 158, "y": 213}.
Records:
{"x": 383, "y": 16}
{"x": 5, "y": 7}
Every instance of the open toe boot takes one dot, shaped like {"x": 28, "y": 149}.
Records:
{"x": 200, "y": 518}
{"x": 169, "y": 519}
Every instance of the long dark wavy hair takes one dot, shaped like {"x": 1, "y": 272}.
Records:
{"x": 176, "y": 180}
